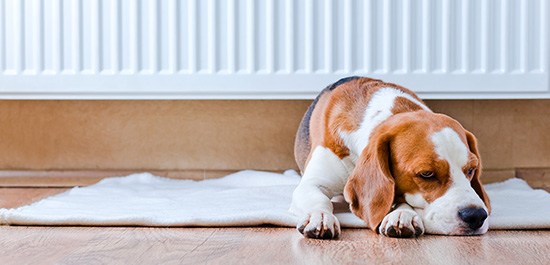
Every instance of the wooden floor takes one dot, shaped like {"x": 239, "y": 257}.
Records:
{"x": 260, "y": 245}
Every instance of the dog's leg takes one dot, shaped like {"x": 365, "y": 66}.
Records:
{"x": 402, "y": 222}
{"x": 324, "y": 177}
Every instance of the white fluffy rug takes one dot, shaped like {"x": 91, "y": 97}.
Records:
{"x": 245, "y": 198}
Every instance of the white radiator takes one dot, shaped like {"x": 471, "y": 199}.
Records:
{"x": 285, "y": 49}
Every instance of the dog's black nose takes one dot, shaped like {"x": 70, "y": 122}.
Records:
{"x": 474, "y": 217}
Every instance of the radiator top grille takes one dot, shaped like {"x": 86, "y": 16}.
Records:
{"x": 238, "y": 48}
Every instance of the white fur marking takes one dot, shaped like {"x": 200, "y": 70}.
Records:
{"x": 377, "y": 111}
{"x": 441, "y": 216}
{"x": 449, "y": 147}
{"x": 324, "y": 177}
{"x": 416, "y": 200}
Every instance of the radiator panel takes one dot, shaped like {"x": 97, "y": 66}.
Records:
{"x": 270, "y": 49}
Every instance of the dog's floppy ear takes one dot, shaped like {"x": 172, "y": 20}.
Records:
{"x": 476, "y": 182}
{"x": 370, "y": 187}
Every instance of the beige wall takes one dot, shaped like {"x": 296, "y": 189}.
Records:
{"x": 511, "y": 133}
{"x": 225, "y": 135}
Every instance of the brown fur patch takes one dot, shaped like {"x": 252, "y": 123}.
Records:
{"x": 317, "y": 124}
{"x": 402, "y": 104}
{"x": 476, "y": 182}
{"x": 404, "y": 141}
{"x": 413, "y": 152}
{"x": 342, "y": 110}
{"x": 370, "y": 188}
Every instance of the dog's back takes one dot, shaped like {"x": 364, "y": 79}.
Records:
{"x": 343, "y": 88}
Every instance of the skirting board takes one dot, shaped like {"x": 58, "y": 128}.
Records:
{"x": 539, "y": 178}
{"x": 86, "y": 177}
{"x": 536, "y": 177}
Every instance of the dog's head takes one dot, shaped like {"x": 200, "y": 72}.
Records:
{"x": 429, "y": 161}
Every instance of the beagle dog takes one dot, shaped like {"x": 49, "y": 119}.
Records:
{"x": 403, "y": 169}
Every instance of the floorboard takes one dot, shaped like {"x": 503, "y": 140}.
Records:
{"x": 258, "y": 245}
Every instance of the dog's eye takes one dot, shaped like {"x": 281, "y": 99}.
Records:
{"x": 426, "y": 174}
{"x": 471, "y": 171}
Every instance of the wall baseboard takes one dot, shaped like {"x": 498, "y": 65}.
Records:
{"x": 71, "y": 178}
{"x": 536, "y": 177}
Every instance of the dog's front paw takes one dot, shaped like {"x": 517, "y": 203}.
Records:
{"x": 402, "y": 223}
{"x": 322, "y": 225}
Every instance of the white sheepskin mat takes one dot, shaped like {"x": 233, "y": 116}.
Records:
{"x": 246, "y": 198}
